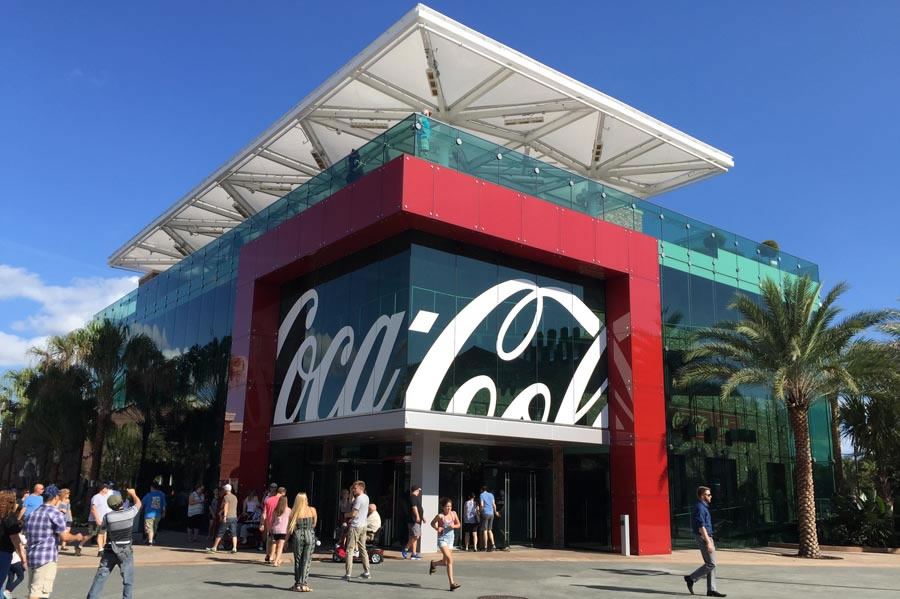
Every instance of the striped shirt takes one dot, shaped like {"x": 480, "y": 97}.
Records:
{"x": 118, "y": 525}
{"x": 42, "y": 529}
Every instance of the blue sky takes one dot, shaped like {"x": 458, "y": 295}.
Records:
{"x": 109, "y": 112}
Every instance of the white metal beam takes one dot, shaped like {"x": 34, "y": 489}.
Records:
{"x": 288, "y": 162}
{"x": 505, "y": 110}
{"x": 631, "y": 154}
{"x": 181, "y": 242}
{"x": 153, "y": 249}
{"x": 363, "y": 134}
{"x": 415, "y": 102}
{"x": 316, "y": 143}
{"x": 650, "y": 169}
{"x": 203, "y": 205}
{"x": 495, "y": 79}
{"x": 433, "y": 64}
{"x": 237, "y": 198}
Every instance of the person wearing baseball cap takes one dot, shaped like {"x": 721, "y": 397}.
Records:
{"x": 118, "y": 550}
{"x": 45, "y": 525}
{"x": 228, "y": 520}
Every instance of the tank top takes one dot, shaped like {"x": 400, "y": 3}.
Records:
{"x": 447, "y": 523}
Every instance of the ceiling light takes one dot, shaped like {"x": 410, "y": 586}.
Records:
{"x": 523, "y": 120}
{"x": 432, "y": 81}
{"x": 319, "y": 161}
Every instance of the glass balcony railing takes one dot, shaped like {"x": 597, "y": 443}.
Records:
{"x": 707, "y": 250}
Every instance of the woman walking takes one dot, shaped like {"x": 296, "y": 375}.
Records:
{"x": 280, "y": 517}
{"x": 196, "y": 507}
{"x": 470, "y": 523}
{"x": 65, "y": 508}
{"x": 445, "y": 523}
{"x": 302, "y": 526}
{"x": 10, "y": 527}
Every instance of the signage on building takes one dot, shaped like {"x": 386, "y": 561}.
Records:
{"x": 350, "y": 372}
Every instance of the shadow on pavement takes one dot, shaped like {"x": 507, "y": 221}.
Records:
{"x": 635, "y": 571}
{"x": 600, "y": 587}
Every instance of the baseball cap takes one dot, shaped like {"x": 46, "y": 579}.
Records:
{"x": 273, "y": 486}
{"x": 50, "y": 492}
{"x": 114, "y": 501}
{"x": 227, "y": 487}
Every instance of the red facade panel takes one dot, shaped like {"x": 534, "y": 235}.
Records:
{"x": 410, "y": 193}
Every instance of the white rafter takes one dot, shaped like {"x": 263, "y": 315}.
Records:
{"x": 481, "y": 85}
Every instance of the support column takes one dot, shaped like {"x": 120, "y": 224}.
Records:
{"x": 425, "y": 471}
{"x": 559, "y": 500}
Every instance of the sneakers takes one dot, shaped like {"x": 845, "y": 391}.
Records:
{"x": 211, "y": 550}
{"x": 404, "y": 553}
{"x": 346, "y": 577}
{"x": 715, "y": 594}
{"x": 7, "y": 595}
{"x": 366, "y": 575}
{"x": 416, "y": 556}
{"x": 234, "y": 550}
{"x": 77, "y": 550}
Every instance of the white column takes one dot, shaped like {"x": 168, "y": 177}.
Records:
{"x": 425, "y": 471}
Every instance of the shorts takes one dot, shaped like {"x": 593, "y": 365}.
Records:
{"x": 469, "y": 527}
{"x": 279, "y": 536}
{"x": 197, "y": 521}
{"x": 150, "y": 525}
{"x": 446, "y": 539}
{"x": 415, "y": 530}
{"x": 487, "y": 522}
{"x": 40, "y": 580}
{"x": 93, "y": 529}
{"x": 229, "y": 524}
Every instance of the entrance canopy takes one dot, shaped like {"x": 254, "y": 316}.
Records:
{"x": 428, "y": 61}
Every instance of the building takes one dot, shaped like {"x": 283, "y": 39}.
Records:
{"x": 484, "y": 296}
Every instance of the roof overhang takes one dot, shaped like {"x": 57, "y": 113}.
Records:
{"x": 467, "y": 80}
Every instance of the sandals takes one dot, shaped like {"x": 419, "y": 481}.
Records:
{"x": 431, "y": 569}
{"x": 301, "y": 588}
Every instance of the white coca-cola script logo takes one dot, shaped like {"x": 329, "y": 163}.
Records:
{"x": 422, "y": 391}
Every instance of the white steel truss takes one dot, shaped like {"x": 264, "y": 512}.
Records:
{"x": 467, "y": 80}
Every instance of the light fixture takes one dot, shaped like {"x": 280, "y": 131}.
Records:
{"x": 368, "y": 124}
{"x": 432, "y": 81}
{"x": 526, "y": 119}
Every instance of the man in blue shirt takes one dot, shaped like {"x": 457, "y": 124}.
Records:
{"x": 154, "y": 511}
{"x": 701, "y": 527}
{"x": 488, "y": 511}
{"x": 32, "y": 502}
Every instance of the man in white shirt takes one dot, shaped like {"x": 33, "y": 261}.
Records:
{"x": 99, "y": 508}
{"x": 356, "y": 533}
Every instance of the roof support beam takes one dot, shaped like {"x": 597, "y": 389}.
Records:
{"x": 288, "y": 162}
{"x": 598, "y": 141}
{"x": 414, "y": 102}
{"x": 433, "y": 64}
{"x": 158, "y": 250}
{"x": 495, "y": 79}
{"x": 369, "y": 114}
{"x": 184, "y": 246}
{"x": 343, "y": 127}
{"x": 238, "y": 199}
{"x": 561, "y": 105}
{"x": 267, "y": 178}
{"x": 638, "y": 150}
{"x": 318, "y": 148}
{"x": 147, "y": 261}
{"x": 180, "y": 223}
{"x": 650, "y": 169}
{"x": 575, "y": 115}
{"x": 230, "y": 214}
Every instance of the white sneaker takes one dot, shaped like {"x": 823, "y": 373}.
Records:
{"x": 366, "y": 575}
{"x": 346, "y": 577}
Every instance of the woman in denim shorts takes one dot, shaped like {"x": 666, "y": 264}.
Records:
{"x": 445, "y": 523}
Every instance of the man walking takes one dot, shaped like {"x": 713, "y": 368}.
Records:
{"x": 701, "y": 525}
{"x": 46, "y": 525}
{"x": 117, "y": 523}
{"x": 356, "y": 535}
{"x": 228, "y": 520}
{"x": 99, "y": 508}
{"x": 32, "y": 502}
{"x": 154, "y": 511}
{"x": 488, "y": 510}
{"x": 414, "y": 520}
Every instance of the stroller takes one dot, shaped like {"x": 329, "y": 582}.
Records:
{"x": 376, "y": 554}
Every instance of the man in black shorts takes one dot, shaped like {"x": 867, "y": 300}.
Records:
{"x": 414, "y": 520}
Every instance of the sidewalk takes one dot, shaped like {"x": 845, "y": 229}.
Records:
{"x": 176, "y": 551}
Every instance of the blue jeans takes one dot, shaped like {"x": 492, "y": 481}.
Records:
{"x": 16, "y": 576}
{"x": 108, "y": 561}
{"x": 5, "y": 561}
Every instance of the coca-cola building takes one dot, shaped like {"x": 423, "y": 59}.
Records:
{"x": 442, "y": 269}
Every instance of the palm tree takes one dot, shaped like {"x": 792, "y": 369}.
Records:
{"x": 793, "y": 345}
{"x": 206, "y": 369}
{"x": 103, "y": 358}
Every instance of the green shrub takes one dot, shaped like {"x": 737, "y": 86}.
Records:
{"x": 864, "y": 521}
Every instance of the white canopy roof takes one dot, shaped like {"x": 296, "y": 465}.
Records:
{"x": 469, "y": 81}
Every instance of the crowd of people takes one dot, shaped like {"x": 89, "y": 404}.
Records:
{"x": 35, "y": 527}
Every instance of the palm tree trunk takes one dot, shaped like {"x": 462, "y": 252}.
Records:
{"x": 97, "y": 446}
{"x": 836, "y": 445}
{"x": 883, "y": 481}
{"x": 806, "y": 497}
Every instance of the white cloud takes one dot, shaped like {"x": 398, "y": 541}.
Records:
{"x": 58, "y": 308}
